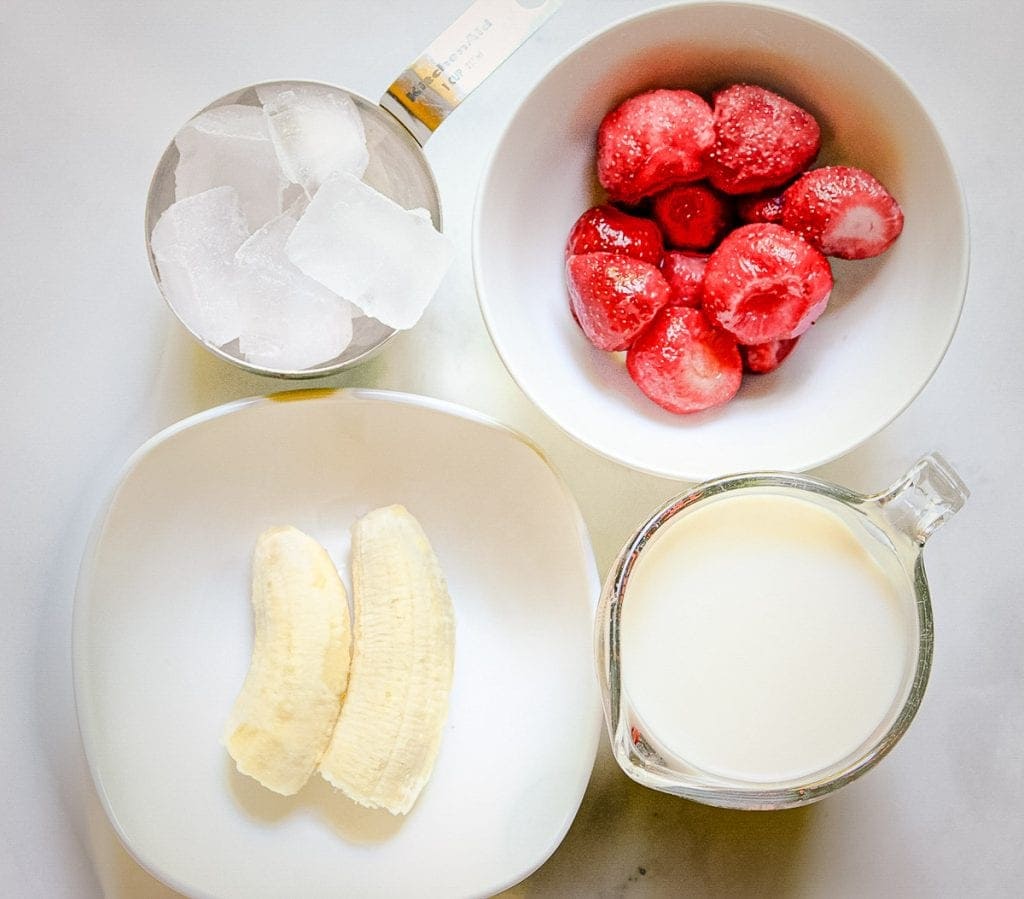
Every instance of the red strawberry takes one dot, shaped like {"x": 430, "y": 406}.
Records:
{"x": 842, "y": 211}
{"x": 614, "y": 297}
{"x": 692, "y": 216}
{"x": 765, "y": 357}
{"x": 762, "y": 140}
{"x": 607, "y": 229}
{"x": 684, "y": 363}
{"x": 651, "y": 141}
{"x": 765, "y": 283}
{"x": 763, "y": 207}
{"x": 685, "y": 275}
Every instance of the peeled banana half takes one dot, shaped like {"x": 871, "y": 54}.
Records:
{"x": 285, "y": 714}
{"x": 389, "y": 730}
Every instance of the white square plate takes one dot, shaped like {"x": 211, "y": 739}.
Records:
{"x": 163, "y": 634}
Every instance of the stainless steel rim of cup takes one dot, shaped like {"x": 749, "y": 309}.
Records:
{"x": 162, "y": 193}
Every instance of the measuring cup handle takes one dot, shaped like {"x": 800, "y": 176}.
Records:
{"x": 926, "y": 497}
{"x": 459, "y": 60}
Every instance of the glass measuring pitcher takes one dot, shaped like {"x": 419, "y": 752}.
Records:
{"x": 766, "y": 638}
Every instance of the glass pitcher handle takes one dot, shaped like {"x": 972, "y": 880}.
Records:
{"x": 466, "y": 53}
{"x": 925, "y": 497}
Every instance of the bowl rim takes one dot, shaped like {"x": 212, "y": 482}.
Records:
{"x": 681, "y": 472}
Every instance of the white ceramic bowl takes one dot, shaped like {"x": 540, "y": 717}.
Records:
{"x": 163, "y": 634}
{"x": 890, "y": 319}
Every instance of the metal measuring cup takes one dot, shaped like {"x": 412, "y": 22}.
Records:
{"x": 397, "y": 128}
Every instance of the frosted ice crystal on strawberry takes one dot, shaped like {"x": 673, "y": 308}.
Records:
{"x": 614, "y": 297}
{"x": 761, "y": 139}
{"x": 652, "y": 141}
{"x": 766, "y": 283}
{"x": 607, "y": 229}
{"x": 843, "y": 211}
{"x": 685, "y": 275}
{"x": 684, "y": 363}
{"x": 692, "y": 216}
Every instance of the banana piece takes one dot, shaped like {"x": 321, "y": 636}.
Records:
{"x": 284, "y": 715}
{"x": 389, "y": 730}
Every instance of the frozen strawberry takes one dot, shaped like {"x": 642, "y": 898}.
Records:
{"x": 766, "y": 283}
{"x": 684, "y": 363}
{"x": 843, "y": 211}
{"x": 607, "y": 229}
{"x": 613, "y": 297}
{"x": 761, "y": 140}
{"x": 685, "y": 275}
{"x": 652, "y": 141}
{"x": 765, "y": 357}
{"x": 692, "y": 216}
{"x": 763, "y": 207}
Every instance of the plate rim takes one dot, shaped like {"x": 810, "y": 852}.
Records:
{"x": 82, "y": 604}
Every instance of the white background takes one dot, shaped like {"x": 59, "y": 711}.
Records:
{"x": 92, "y": 364}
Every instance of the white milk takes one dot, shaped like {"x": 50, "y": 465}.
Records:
{"x": 761, "y": 640}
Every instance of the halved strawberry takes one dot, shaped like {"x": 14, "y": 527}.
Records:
{"x": 684, "y": 363}
{"x": 761, "y": 139}
{"x": 765, "y": 357}
{"x": 613, "y": 297}
{"x": 685, "y": 275}
{"x": 607, "y": 229}
{"x": 766, "y": 283}
{"x": 762, "y": 207}
{"x": 843, "y": 211}
{"x": 692, "y": 216}
{"x": 651, "y": 141}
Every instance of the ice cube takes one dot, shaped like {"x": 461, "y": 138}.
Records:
{"x": 194, "y": 245}
{"x": 316, "y": 130}
{"x": 289, "y": 321}
{"x": 231, "y": 146}
{"x": 387, "y": 260}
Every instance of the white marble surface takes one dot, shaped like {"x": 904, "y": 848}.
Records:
{"x": 92, "y": 364}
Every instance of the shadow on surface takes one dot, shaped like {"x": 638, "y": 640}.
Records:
{"x": 351, "y": 822}
{"x": 671, "y": 846}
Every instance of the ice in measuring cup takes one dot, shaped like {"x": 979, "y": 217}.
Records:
{"x": 288, "y": 320}
{"x": 316, "y": 131}
{"x": 230, "y": 146}
{"x": 389, "y": 261}
{"x": 194, "y": 245}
